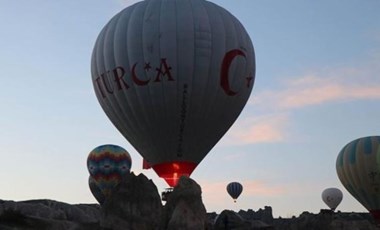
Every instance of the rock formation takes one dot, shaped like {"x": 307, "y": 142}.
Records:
{"x": 134, "y": 204}
{"x": 264, "y": 215}
{"x": 47, "y": 214}
{"x": 184, "y": 208}
{"x": 327, "y": 220}
{"x": 228, "y": 219}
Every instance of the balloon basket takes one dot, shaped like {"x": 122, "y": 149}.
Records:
{"x": 165, "y": 194}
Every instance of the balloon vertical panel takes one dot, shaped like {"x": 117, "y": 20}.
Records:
{"x": 170, "y": 90}
{"x": 151, "y": 49}
{"x": 113, "y": 110}
{"x": 140, "y": 78}
{"x": 188, "y": 77}
{"x": 221, "y": 107}
{"x": 209, "y": 47}
{"x": 128, "y": 99}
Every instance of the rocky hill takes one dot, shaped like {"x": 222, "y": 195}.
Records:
{"x": 136, "y": 205}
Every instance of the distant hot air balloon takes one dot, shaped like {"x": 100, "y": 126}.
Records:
{"x": 358, "y": 169}
{"x": 108, "y": 164}
{"x": 95, "y": 190}
{"x": 332, "y": 197}
{"x": 234, "y": 189}
{"x": 173, "y": 76}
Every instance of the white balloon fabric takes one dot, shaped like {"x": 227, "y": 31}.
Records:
{"x": 332, "y": 197}
{"x": 173, "y": 76}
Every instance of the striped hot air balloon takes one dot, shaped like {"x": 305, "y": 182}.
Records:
{"x": 108, "y": 164}
{"x": 234, "y": 189}
{"x": 173, "y": 76}
{"x": 358, "y": 169}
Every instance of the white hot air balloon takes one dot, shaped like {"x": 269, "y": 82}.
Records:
{"x": 173, "y": 76}
{"x": 332, "y": 197}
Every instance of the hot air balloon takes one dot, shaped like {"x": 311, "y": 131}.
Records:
{"x": 332, "y": 197}
{"x": 173, "y": 76}
{"x": 108, "y": 164}
{"x": 234, "y": 189}
{"x": 358, "y": 169}
{"x": 95, "y": 190}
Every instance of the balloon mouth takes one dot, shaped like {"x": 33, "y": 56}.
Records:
{"x": 172, "y": 171}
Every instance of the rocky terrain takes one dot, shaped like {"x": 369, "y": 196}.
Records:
{"x": 136, "y": 205}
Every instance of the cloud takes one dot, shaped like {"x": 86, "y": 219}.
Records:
{"x": 322, "y": 87}
{"x": 314, "y": 88}
{"x": 315, "y": 91}
{"x": 268, "y": 128}
{"x": 259, "y": 188}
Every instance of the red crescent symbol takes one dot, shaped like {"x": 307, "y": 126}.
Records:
{"x": 227, "y": 60}
{"x": 135, "y": 78}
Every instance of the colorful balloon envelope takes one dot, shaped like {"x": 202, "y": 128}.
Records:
{"x": 332, "y": 197}
{"x": 108, "y": 164}
{"x": 173, "y": 76}
{"x": 234, "y": 189}
{"x": 358, "y": 169}
{"x": 95, "y": 190}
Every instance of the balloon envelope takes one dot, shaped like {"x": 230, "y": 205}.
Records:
{"x": 173, "y": 76}
{"x": 332, "y": 197}
{"x": 358, "y": 169}
{"x": 234, "y": 189}
{"x": 95, "y": 190}
{"x": 108, "y": 164}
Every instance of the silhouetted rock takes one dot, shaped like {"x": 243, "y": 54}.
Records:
{"x": 184, "y": 208}
{"x": 352, "y": 225}
{"x": 47, "y": 214}
{"x": 259, "y": 225}
{"x": 327, "y": 220}
{"x": 134, "y": 204}
{"x": 229, "y": 219}
{"x": 264, "y": 215}
{"x": 211, "y": 217}
{"x": 50, "y": 209}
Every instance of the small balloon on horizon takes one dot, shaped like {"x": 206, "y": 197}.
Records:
{"x": 234, "y": 189}
{"x": 332, "y": 197}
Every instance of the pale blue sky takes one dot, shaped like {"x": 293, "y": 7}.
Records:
{"x": 317, "y": 88}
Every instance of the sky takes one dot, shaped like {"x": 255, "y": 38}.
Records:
{"x": 317, "y": 88}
